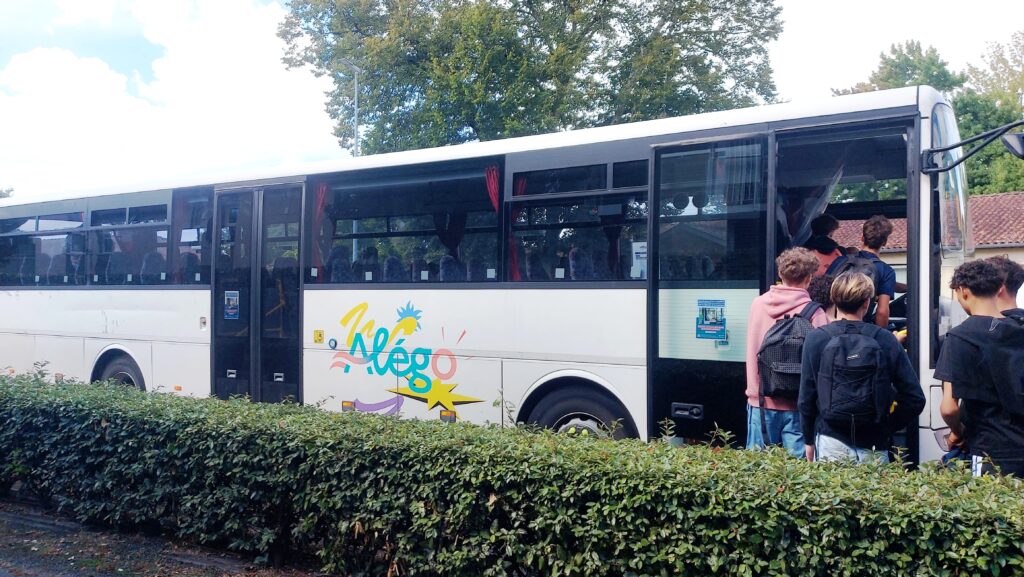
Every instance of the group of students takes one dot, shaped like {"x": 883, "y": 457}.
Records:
{"x": 830, "y": 386}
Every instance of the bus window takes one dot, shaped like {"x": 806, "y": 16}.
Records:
{"x": 711, "y": 213}
{"x": 432, "y": 225}
{"x": 851, "y": 176}
{"x": 191, "y": 222}
{"x": 956, "y": 238}
{"x": 578, "y": 239}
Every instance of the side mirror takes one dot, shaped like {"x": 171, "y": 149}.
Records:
{"x": 1015, "y": 144}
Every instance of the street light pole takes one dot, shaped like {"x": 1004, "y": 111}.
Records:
{"x": 355, "y": 125}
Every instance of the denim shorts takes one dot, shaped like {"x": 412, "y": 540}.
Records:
{"x": 783, "y": 429}
{"x": 831, "y": 449}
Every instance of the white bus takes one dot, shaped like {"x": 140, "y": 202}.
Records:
{"x": 565, "y": 279}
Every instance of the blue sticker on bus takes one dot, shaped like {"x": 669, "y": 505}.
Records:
{"x": 231, "y": 305}
{"x": 711, "y": 319}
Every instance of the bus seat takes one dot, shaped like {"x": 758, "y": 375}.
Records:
{"x": 152, "y": 265}
{"x": 394, "y": 270}
{"x": 42, "y": 262}
{"x": 189, "y": 268}
{"x": 339, "y": 269}
{"x": 449, "y": 270}
{"x": 117, "y": 269}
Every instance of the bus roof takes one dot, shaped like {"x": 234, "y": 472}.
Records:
{"x": 923, "y": 97}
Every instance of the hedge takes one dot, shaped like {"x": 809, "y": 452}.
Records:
{"x": 381, "y": 496}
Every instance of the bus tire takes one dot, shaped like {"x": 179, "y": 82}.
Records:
{"x": 123, "y": 370}
{"x": 583, "y": 410}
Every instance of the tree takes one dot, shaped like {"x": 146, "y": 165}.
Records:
{"x": 447, "y": 71}
{"x": 995, "y": 97}
{"x": 6, "y": 192}
{"x": 908, "y": 65}
{"x": 1004, "y": 75}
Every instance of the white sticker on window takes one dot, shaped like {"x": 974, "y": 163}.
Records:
{"x": 492, "y": 273}
{"x": 95, "y": 278}
{"x": 37, "y": 278}
{"x": 312, "y": 272}
{"x": 163, "y": 276}
{"x": 424, "y": 275}
{"x": 197, "y": 277}
{"x": 65, "y": 279}
{"x": 559, "y": 273}
{"x": 369, "y": 275}
{"x": 129, "y": 277}
{"x": 635, "y": 271}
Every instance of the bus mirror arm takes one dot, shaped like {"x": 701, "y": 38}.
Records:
{"x": 1013, "y": 142}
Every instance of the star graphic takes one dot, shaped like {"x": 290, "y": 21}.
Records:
{"x": 438, "y": 394}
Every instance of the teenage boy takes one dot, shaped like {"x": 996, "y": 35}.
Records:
{"x": 1012, "y": 275}
{"x": 875, "y": 234}
{"x": 851, "y": 372}
{"x": 977, "y": 366}
{"x": 795, "y": 266}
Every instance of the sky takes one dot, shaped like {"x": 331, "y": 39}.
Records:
{"x": 97, "y": 93}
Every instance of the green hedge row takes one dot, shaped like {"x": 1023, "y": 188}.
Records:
{"x": 376, "y": 495}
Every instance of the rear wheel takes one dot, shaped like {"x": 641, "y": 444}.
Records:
{"x": 124, "y": 371}
{"x": 583, "y": 411}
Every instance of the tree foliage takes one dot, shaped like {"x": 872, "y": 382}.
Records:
{"x": 439, "y": 72}
{"x": 907, "y": 64}
{"x": 6, "y": 192}
{"x": 995, "y": 97}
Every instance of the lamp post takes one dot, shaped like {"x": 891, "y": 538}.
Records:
{"x": 355, "y": 122}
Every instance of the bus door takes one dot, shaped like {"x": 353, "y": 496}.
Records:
{"x": 707, "y": 262}
{"x": 256, "y": 299}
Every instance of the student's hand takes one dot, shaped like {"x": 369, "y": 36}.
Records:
{"x": 901, "y": 336}
{"x": 954, "y": 440}
{"x": 809, "y": 452}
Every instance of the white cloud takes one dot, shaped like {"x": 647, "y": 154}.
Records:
{"x": 219, "y": 100}
{"x": 77, "y": 12}
{"x": 828, "y": 45}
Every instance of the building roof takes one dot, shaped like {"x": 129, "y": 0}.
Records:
{"x": 996, "y": 220}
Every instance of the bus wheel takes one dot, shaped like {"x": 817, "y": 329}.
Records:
{"x": 123, "y": 370}
{"x": 583, "y": 411}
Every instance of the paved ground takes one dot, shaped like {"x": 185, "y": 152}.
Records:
{"x": 34, "y": 543}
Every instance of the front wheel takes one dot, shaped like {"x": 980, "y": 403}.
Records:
{"x": 583, "y": 411}
{"x": 124, "y": 371}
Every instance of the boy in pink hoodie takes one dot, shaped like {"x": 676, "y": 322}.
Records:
{"x": 796, "y": 266}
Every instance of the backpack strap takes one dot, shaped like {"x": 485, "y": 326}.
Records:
{"x": 809, "y": 310}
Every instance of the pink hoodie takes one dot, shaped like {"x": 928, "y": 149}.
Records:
{"x": 779, "y": 301}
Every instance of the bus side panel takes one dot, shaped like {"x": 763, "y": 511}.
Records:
{"x": 64, "y": 355}
{"x": 181, "y": 368}
{"x": 15, "y": 352}
{"x": 328, "y": 385}
{"x": 70, "y": 329}
{"x": 422, "y": 334}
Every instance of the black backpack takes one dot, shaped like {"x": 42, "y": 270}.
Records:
{"x": 1001, "y": 364}
{"x": 854, "y": 380}
{"x": 855, "y": 263}
{"x": 778, "y": 359}
{"x": 1015, "y": 315}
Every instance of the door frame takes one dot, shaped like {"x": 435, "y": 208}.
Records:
{"x": 256, "y": 189}
{"x": 653, "y": 240}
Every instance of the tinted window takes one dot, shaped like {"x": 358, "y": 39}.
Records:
{"x": 572, "y": 179}
{"x": 421, "y": 224}
{"x": 629, "y": 174}
{"x": 594, "y": 238}
{"x": 192, "y": 218}
{"x": 20, "y": 224}
{"x": 109, "y": 217}
{"x": 61, "y": 221}
{"x": 147, "y": 214}
{"x": 711, "y": 213}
